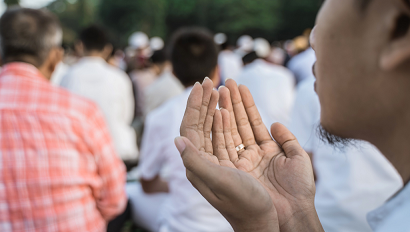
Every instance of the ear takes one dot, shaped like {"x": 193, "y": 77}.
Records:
{"x": 398, "y": 49}
{"x": 79, "y": 48}
{"x": 107, "y": 51}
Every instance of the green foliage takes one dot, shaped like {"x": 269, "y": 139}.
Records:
{"x": 271, "y": 19}
{"x": 12, "y": 2}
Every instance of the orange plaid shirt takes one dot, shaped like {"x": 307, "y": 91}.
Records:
{"x": 58, "y": 167}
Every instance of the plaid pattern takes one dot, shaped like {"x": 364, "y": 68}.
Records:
{"x": 58, "y": 167}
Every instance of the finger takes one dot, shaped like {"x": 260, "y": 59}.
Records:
{"x": 189, "y": 125}
{"x": 242, "y": 120}
{"x": 218, "y": 138}
{"x": 226, "y": 103}
{"x": 207, "y": 87}
{"x": 229, "y": 143}
{"x": 286, "y": 140}
{"x": 258, "y": 127}
{"x": 209, "y": 120}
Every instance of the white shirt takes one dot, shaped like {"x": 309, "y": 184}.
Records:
{"x": 185, "y": 210}
{"x": 301, "y": 65}
{"x": 272, "y": 87}
{"x": 394, "y": 215}
{"x": 111, "y": 89}
{"x": 230, "y": 65}
{"x": 350, "y": 182}
{"x": 163, "y": 89}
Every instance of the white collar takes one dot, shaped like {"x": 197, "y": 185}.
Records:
{"x": 377, "y": 217}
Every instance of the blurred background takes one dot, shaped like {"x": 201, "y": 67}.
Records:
{"x": 275, "y": 20}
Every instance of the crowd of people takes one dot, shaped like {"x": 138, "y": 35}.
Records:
{"x": 87, "y": 135}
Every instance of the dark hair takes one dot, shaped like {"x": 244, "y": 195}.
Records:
{"x": 28, "y": 32}
{"x": 159, "y": 57}
{"x": 249, "y": 58}
{"x": 94, "y": 38}
{"x": 194, "y": 55}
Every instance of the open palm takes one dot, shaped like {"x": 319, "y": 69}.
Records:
{"x": 261, "y": 188}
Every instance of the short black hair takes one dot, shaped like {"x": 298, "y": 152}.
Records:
{"x": 249, "y": 58}
{"x": 159, "y": 57}
{"x": 94, "y": 38}
{"x": 194, "y": 55}
{"x": 28, "y": 32}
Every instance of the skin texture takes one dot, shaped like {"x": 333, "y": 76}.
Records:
{"x": 363, "y": 82}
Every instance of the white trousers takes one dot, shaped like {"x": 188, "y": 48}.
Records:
{"x": 145, "y": 208}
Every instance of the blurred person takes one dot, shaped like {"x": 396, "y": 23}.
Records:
{"x": 244, "y": 45}
{"x": 93, "y": 78}
{"x": 59, "y": 170}
{"x": 165, "y": 87}
{"x": 139, "y": 69}
{"x": 277, "y": 55}
{"x": 116, "y": 59}
{"x": 193, "y": 55}
{"x": 229, "y": 62}
{"x": 362, "y": 83}
{"x": 271, "y": 85}
{"x": 301, "y": 65}
{"x": 350, "y": 182}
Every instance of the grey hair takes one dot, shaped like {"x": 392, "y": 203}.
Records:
{"x": 28, "y": 32}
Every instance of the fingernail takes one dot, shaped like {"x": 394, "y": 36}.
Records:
{"x": 180, "y": 144}
{"x": 220, "y": 87}
{"x": 197, "y": 83}
{"x": 207, "y": 78}
{"x": 221, "y": 108}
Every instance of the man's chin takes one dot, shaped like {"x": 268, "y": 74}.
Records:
{"x": 334, "y": 140}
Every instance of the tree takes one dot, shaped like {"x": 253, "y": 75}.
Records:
{"x": 11, "y": 2}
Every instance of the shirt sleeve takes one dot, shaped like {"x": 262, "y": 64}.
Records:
{"x": 111, "y": 198}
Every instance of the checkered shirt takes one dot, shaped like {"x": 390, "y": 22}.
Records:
{"x": 58, "y": 167}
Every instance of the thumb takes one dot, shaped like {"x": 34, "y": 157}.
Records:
{"x": 196, "y": 161}
{"x": 286, "y": 140}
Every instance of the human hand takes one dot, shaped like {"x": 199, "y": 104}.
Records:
{"x": 262, "y": 188}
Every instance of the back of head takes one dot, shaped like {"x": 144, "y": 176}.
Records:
{"x": 94, "y": 38}
{"x": 249, "y": 58}
{"x": 159, "y": 57}
{"x": 194, "y": 55}
{"x": 28, "y": 35}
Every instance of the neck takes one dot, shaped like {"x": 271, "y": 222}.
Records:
{"x": 395, "y": 145}
{"x": 95, "y": 54}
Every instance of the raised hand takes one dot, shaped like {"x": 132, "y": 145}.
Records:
{"x": 264, "y": 187}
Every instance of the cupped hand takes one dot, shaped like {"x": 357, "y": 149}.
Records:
{"x": 269, "y": 185}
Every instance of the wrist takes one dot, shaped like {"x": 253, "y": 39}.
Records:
{"x": 266, "y": 224}
{"x": 306, "y": 220}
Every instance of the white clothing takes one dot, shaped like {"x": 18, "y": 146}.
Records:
{"x": 146, "y": 208}
{"x": 272, "y": 87}
{"x": 230, "y": 65}
{"x": 394, "y": 215}
{"x": 59, "y": 73}
{"x": 185, "y": 210}
{"x": 350, "y": 182}
{"x": 301, "y": 65}
{"x": 111, "y": 89}
{"x": 164, "y": 88}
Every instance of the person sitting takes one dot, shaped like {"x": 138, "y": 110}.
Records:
{"x": 165, "y": 87}
{"x": 194, "y": 55}
{"x": 59, "y": 171}
{"x": 271, "y": 85}
{"x": 92, "y": 77}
